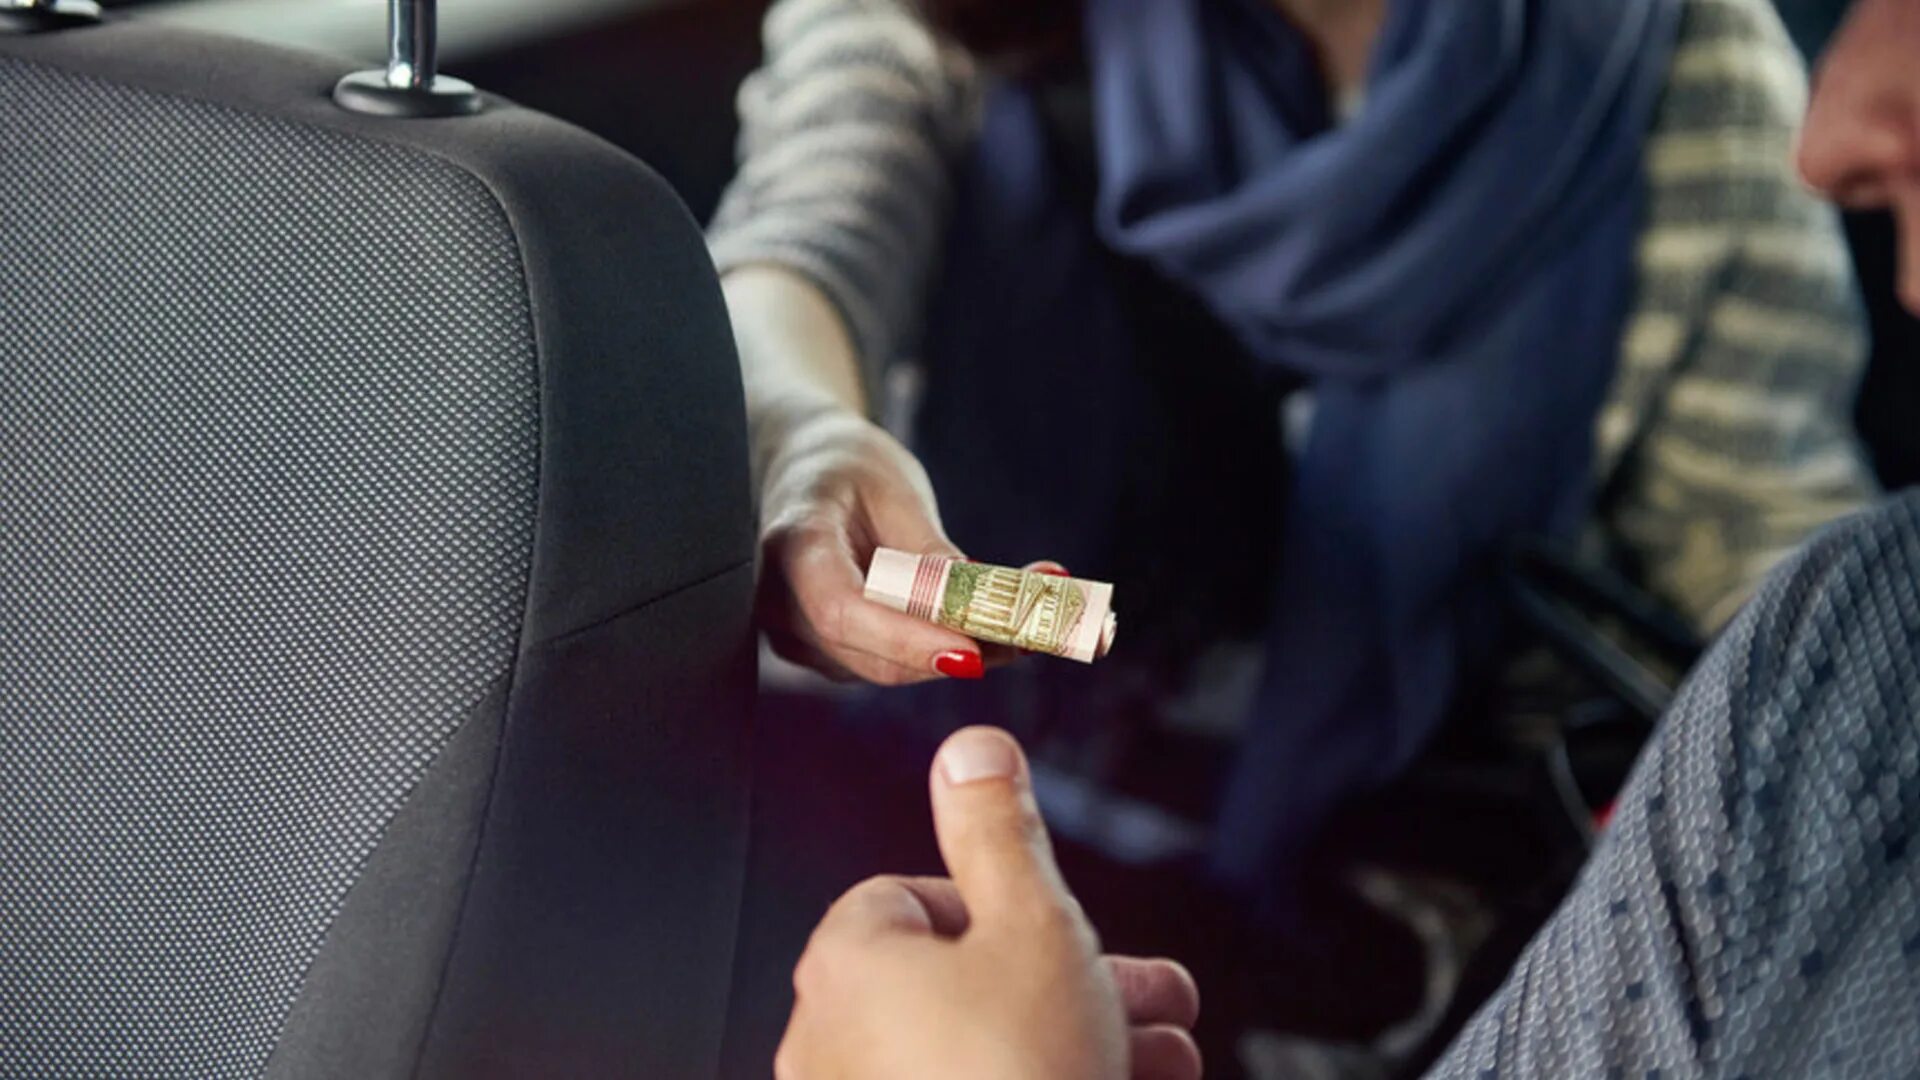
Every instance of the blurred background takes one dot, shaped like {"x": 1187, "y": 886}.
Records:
{"x": 1429, "y": 890}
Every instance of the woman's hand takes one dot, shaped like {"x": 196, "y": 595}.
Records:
{"x": 834, "y": 486}
{"x": 994, "y": 973}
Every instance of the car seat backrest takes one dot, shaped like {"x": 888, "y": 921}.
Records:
{"x": 375, "y": 564}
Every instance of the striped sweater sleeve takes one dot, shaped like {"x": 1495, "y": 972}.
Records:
{"x": 848, "y": 135}
{"x": 1729, "y": 422}
{"x": 1726, "y": 434}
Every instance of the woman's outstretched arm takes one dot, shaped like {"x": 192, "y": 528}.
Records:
{"x": 825, "y": 241}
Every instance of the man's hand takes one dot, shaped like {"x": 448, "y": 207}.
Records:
{"x": 1861, "y": 143}
{"x": 994, "y": 975}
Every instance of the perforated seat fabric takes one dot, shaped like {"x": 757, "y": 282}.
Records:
{"x": 375, "y": 557}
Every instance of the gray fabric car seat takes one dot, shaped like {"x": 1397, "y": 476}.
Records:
{"x": 375, "y": 569}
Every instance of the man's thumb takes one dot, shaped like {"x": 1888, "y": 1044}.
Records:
{"x": 990, "y": 831}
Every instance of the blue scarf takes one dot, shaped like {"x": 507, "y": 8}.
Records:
{"x": 1450, "y": 270}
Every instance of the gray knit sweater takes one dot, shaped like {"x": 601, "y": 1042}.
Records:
{"x": 1726, "y": 432}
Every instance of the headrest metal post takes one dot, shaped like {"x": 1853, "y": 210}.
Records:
{"x": 412, "y": 45}
{"x": 411, "y": 85}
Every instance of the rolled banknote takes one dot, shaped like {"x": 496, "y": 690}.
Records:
{"x": 1061, "y": 616}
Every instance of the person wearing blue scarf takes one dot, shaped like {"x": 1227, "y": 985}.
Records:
{"x": 1450, "y": 270}
{"x": 1511, "y": 269}
{"x": 1446, "y": 273}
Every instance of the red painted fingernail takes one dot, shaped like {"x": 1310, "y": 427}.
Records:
{"x": 959, "y": 665}
{"x": 1061, "y": 572}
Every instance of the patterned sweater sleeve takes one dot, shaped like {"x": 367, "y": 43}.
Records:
{"x": 1728, "y": 435}
{"x": 1754, "y": 907}
{"x": 848, "y": 134}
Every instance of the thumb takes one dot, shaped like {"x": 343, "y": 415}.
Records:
{"x": 990, "y": 832}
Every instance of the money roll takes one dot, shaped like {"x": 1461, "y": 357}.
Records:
{"x": 1060, "y": 616}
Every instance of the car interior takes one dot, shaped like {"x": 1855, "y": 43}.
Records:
{"x": 380, "y": 693}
